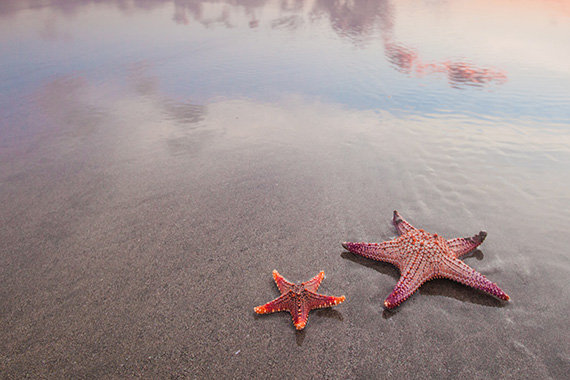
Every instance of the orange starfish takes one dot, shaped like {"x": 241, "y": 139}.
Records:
{"x": 421, "y": 256}
{"x": 298, "y": 299}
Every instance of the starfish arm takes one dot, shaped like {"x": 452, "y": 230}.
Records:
{"x": 458, "y": 271}
{"x": 386, "y": 251}
{"x": 314, "y": 283}
{"x": 401, "y": 225}
{"x": 462, "y": 246}
{"x": 412, "y": 278}
{"x": 309, "y": 301}
{"x": 284, "y": 302}
{"x": 283, "y": 285}
{"x": 319, "y": 301}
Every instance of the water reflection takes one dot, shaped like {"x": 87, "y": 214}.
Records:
{"x": 379, "y": 54}
{"x": 459, "y": 73}
{"x": 65, "y": 104}
{"x": 146, "y": 85}
{"x": 355, "y": 21}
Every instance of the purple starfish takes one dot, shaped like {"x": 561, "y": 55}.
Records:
{"x": 421, "y": 256}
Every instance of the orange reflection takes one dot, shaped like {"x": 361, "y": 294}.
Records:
{"x": 358, "y": 17}
{"x": 459, "y": 73}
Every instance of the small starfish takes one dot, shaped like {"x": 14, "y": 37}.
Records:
{"x": 421, "y": 256}
{"x": 298, "y": 299}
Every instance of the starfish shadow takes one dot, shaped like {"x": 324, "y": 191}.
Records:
{"x": 300, "y": 337}
{"x": 389, "y": 313}
{"x": 378, "y": 266}
{"x": 478, "y": 254}
{"x": 436, "y": 287}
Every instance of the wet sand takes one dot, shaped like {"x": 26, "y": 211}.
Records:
{"x": 143, "y": 209}
{"x": 126, "y": 255}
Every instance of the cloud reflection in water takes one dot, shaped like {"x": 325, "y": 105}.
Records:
{"x": 362, "y": 53}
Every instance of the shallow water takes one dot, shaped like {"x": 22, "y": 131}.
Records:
{"x": 158, "y": 159}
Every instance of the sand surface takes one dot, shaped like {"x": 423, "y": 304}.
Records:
{"x": 139, "y": 229}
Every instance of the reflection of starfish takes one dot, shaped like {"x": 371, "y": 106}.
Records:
{"x": 421, "y": 257}
{"x": 298, "y": 299}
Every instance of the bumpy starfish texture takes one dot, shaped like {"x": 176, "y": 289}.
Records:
{"x": 421, "y": 256}
{"x": 298, "y": 299}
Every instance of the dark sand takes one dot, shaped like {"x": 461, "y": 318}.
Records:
{"x": 138, "y": 232}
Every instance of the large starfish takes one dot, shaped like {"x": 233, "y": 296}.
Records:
{"x": 421, "y": 256}
{"x": 298, "y": 299}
